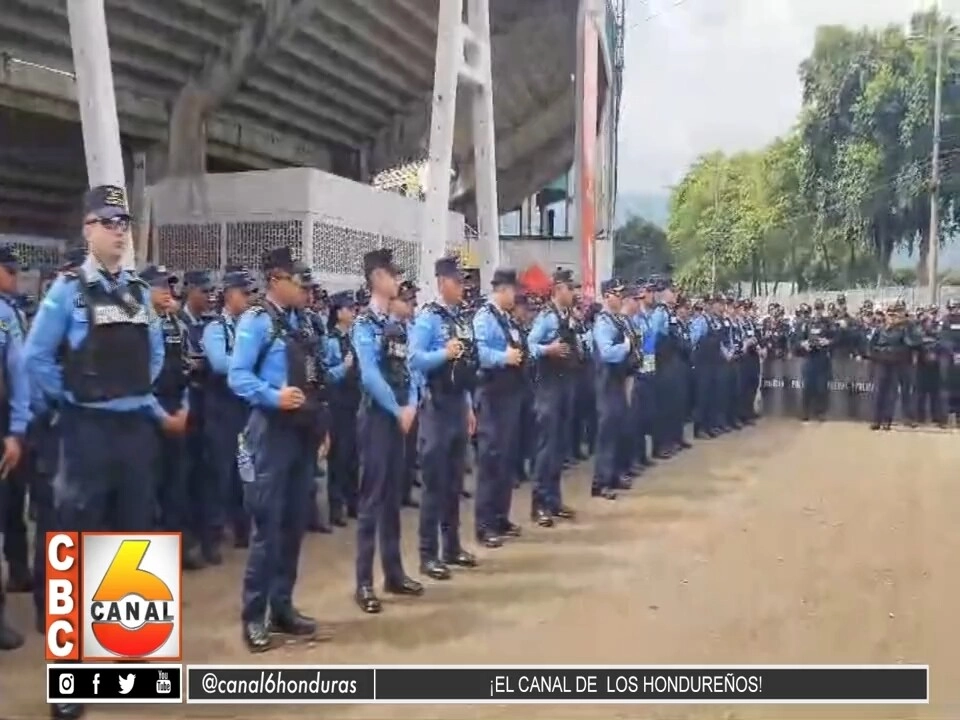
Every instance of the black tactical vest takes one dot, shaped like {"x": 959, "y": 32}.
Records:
{"x": 459, "y": 375}
{"x": 549, "y": 367}
{"x": 172, "y": 380}
{"x": 113, "y": 360}
{"x": 350, "y": 386}
{"x": 393, "y": 355}
{"x": 631, "y": 363}
{"x": 301, "y": 347}
{"x": 511, "y": 377}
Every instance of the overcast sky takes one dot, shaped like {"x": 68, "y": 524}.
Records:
{"x": 720, "y": 74}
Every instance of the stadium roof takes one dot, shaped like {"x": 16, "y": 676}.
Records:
{"x": 343, "y": 85}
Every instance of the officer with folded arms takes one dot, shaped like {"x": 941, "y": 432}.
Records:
{"x": 94, "y": 351}
{"x": 276, "y": 367}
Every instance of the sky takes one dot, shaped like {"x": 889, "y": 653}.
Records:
{"x": 703, "y": 75}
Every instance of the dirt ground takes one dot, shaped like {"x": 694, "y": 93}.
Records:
{"x": 785, "y": 543}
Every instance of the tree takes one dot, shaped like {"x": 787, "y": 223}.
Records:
{"x": 640, "y": 249}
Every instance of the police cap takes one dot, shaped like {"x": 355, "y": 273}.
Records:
{"x": 156, "y": 276}
{"x": 613, "y": 286}
{"x": 9, "y": 259}
{"x": 343, "y": 299}
{"x": 504, "y": 276}
{"x": 237, "y": 280}
{"x": 106, "y": 202}
{"x": 197, "y": 280}
{"x": 73, "y": 258}
{"x": 408, "y": 290}
{"x": 381, "y": 259}
{"x": 448, "y": 267}
{"x": 562, "y": 276}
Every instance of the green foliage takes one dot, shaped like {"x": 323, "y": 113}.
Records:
{"x": 827, "y": 205}
{"x": 639, "y": 249}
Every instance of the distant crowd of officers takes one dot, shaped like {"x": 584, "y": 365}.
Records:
{"x": 137, "y": 401}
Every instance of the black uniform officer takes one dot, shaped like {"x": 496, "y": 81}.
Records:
{"x": 443, "y": 350}
{"x": 170, "y": 389}
{"x": 950, "y": 337}
{"x": 202, "y": 483}
{"x": 891, "y": 350}
{"x": 930, "y": 365}
{"x": 387, "y": 413}
{"x": 277, "y": 368}
{"x": 814, "y": 338}
{"x": 343, "y": 462}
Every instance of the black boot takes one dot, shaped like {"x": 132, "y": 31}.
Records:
{"x": 257, "y": 637}
{"x": 67, "y": 711}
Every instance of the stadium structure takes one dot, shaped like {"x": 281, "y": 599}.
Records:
{"x": 249, "y": 124}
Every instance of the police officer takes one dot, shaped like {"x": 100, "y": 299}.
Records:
{"x": 403, "y": 308}
{"x": 705, "y": 355}
{"x": 343, "y": 463}
{"x": 522, "y": 317}
{"x": 276, "y": 367}
{"x": 387, "y": 414}
{"x": 202, "y": 483}
{"x": 814, "y": 338}
{"x": 443, "y": 350}
{"x": 500, "y": 398}
{"x": 14, "y": 320}
{"x": 929, "y": 354}
{"x": 94, "y": 352}
{"x": 552, "y": 344}
{"x": 170, "y": 389}
{"x": 891, "y": 350}
{"x": 749, "y": 363}
{"x": 638, "y": 305}
{"x": 221, "y": 501}
{"x": 14, "y": 417}
{"x": 617, "y": 360}
{"x": 950, "y": 337}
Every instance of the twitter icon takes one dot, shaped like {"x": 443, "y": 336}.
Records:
{"x": 126, "y": 683}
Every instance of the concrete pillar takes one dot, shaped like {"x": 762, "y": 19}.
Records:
{"x": 95, "y": 96}
{"x": 187, "y": 144}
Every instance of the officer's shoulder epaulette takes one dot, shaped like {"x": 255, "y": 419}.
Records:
{"x": 135, "y": 279}
{"x": 256, "y": 310}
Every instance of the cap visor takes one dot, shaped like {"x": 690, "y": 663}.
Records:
{"x": 112, "y": 211}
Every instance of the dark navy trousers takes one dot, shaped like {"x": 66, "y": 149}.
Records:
{"x": 107, "y": 480}
{"x": 382, "y": 447}
{"x": 277, "y": 481}
{"x": 612, "y": 415}
{"x": 220, "y": 498}
{"x": 499, "y": 454}
{"x": 443, "y": 435}
{"x": 550, "y": 401}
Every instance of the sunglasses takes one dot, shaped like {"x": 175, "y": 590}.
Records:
{"x": 121, "y": 223}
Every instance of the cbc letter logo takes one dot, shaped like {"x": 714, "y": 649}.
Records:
{"x": 131, "y": 587}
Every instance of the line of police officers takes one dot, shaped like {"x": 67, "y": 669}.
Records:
{"x": 231, "y": 412}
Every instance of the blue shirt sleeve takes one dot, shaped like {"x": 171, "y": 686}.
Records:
{"x": 605, "y": 334}
{"x": 423, "y": 358}
{"x": 43, "y": 342}
{"x": 698, "y": 328}
{"x": 253, "y": 331}
{"x": 158, "y": 347}
{"x": 336, "y": 368}
{"x": 488, "y": 333}
{"x": 19, "y": 385}
{"x": 368, "y": 348}
{"x": 658, "y": 321}
{"x": 215, "y": 347}
{"x": 542, "y": 333}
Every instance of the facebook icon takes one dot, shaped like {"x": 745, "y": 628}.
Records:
{"x": 96, "y": 684}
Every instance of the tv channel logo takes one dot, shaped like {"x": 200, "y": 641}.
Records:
{"x": 114, "y": 596}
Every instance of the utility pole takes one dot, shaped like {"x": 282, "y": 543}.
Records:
{"x": 714, "y": 241}
{"x": 933, "y": 248}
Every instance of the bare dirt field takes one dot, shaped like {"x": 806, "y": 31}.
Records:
{"x": 785, "y": 543}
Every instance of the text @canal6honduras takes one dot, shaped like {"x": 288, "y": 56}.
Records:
{"x": 560, "y": 684}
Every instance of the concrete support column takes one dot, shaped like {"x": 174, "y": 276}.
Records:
{"x": 96, "y": 98}
{"x": 462, "y": 55}
{"x": 187, "y": 144}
